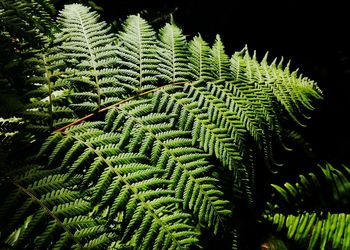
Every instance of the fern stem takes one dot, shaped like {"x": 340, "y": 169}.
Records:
{"x": 139, "y": 196}
{"x": 115, "y": 105}
{"x": 50, "y": 213}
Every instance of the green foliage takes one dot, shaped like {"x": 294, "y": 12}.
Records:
{"x": 321, "y": 202}
{"x": 26, "y": 22}
{"x": 137, "y": 54}
{"x": 148, "y": 173}
{"x": 46, "y": 108}
{"x": 89, "y": 56}
{"x": 173, "y": 54}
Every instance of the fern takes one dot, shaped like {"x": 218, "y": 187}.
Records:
{"x": 47, "y": 109}
{"x": 313, "y": 225}
{"x": 88, "y": 48}
{"x": 28, "y": 21}
{"x": 173, "y": 55}
{"x": 188, "y": 167}
{"x": 53, "y": 205}
{"x": 147, "y": 174}
{"x": 126, "y": 183}
{"x": 137, "y": 54}
{"x": 199, "y": 60}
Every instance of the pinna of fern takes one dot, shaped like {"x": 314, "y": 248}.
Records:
{"x": 89, "y": 56}
{"x": 137, "y": 54}
{"x": 54, "y": 214}
{"x": 172, "y": 45}
{"x": 47, "y": 104}
{"x": 314, "y": 211}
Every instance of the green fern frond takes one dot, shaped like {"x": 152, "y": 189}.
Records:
{"x": 127, "y": 185}
{"x": 321, "y": 230}
{"x": 137, "y": 54}
{"x": 148, "y": 174}
{"x": 188, "y": 167}
{"x": 290, "y": 90}
{"x": 87, "y": 45}
{"x": 314, "y": 225}
{"x": 172, "y": 54}
{"x": 220, "y": 62}
{"x": 28, "y": 21}
{"x": 54, "y": 214}
{"x": 199, "y": 59}
{"x": 47, "y": 105}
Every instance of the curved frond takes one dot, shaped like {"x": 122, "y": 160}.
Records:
{"x": 150, "y": 132}
{"x": 320, "y": 220}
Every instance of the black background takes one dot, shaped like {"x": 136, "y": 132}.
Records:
{"x": 313, "y": 35}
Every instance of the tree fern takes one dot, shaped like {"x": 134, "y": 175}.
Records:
{"x": 313, "y": 224}
{"x": 147, "y": 174}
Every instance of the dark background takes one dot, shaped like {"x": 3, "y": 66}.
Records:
{"x": 313, "y": 35}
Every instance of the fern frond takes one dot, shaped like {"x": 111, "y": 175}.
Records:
{"x": 29, "y": 21}
{"x": 126, "y": 184}
{"x": 172, "y": 54}
{"x": 314, "y": 225}
{"x": 151, "y": 172}
{"x": 188, "y": 167}
{"x": 53, "y": 214}
{"x": 220, "y": 62}
{"x": 47, "y": 106}
{"x": 137, "y": 54}
{"x": 199, "y": 59}
{"x": 320, "y": 229}
{"x": 293, "y": 92}
{"x": 87, "y": 45}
